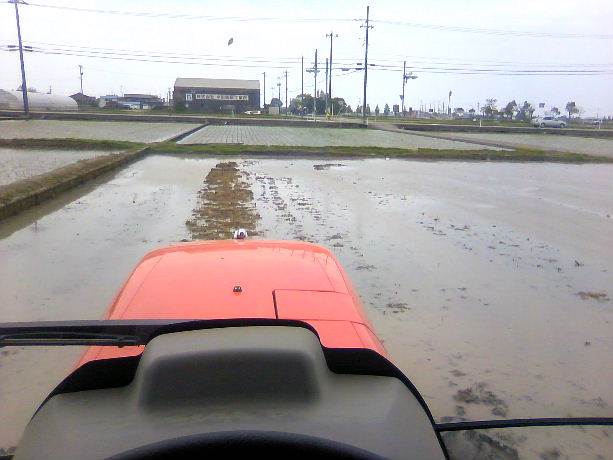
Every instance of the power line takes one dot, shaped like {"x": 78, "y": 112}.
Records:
{"x": 441, "y": 27}
{"x": 291, "y": 60}
{"x": 502, "y": 72}
{"x": 147, "y": 14}
{"x": 475, "y": 30}
{"x": 272, "y": 65}
{"x": 153, "y": 60}
{"x": 163, "y": 55}
{"x": 494, "y": 63}
{"x": 487, "y": 70}
{"x": 172, "y": 53}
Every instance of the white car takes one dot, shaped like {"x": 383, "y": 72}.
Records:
{"x": 548, "y": 122}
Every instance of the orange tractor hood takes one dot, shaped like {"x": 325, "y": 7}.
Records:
{"x": 235, "y": 279}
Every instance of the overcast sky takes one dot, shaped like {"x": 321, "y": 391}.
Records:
{"x": 277, "y": 43}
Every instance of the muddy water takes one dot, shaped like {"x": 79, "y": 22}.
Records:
{"x": 489, "y": 283}
{"x": 66, "y": 259}
{"x": 472, "y": 274}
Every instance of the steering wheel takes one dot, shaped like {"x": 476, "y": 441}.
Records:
{"x": 247, "y": 444}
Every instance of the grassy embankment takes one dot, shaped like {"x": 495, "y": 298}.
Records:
{"x": 373, "y": 152}
{"x": 294, "y": 151}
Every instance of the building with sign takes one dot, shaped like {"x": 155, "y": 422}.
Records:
{"x": 216, "y": 95}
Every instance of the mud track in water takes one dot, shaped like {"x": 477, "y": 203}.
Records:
{"x": 224, "y": 204}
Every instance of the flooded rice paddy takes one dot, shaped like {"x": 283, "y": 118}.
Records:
{"x": 542, "y": 141}
{"x": 489, "y": 283}
{"x": 318, "y": 137}
{"x": 100, "y": 130}
{"x": 18, "y": 164}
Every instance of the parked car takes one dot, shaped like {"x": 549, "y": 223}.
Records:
{"x": 548, "y": 122}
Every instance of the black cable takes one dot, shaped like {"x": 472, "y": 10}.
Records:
{"x": 147, "y": 14}
{"x": 170, "y": 53}
{"x": 147, "y": 54}
{"x": 475, "y": 30}
{"x": 251, "y": 64}
{"x": 343, "y": 62}
{"x": 81, "y": 54}
{"x": 522, "y": 422}
{"x": 297, "y": 19}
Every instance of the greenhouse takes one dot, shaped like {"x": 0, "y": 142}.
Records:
{"x": 13, "y": 100}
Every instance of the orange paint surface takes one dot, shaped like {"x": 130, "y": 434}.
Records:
{"x": 197, "y": 281}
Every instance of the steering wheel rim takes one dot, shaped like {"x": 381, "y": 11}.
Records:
{"x": 273, "y": 444}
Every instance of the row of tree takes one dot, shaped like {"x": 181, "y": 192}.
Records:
{"x": 514, "y": 111}
{"x": 302, "y": 105}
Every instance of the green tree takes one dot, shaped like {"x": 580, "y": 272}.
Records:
{"x": 377, "y": 110}
{"x": 338, "y": 105}
{"x": 571, "y": 108}
{"x": 307, "y": 103}
{"x": 526, "y": 111}
{"x": 368, "y": 109}
{"x": 386, "y": 110}
{"x": 321, "y": 105}
{"x": 510, "y": 109}
{"x": 489, "y": 109}
{"x": 555, "y": 110}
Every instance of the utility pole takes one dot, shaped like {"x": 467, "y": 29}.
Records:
{"x": 286, "y": 93}
{"x": 24, "y": 84}
{"x": 264, "y": 104}
{"x": 315, "y": 89}
{"x": 404, "y": 80}
{"x": 366, "y": 26}
{"x": 279, "y": 88}
{"x": 81, "y": 76}
{"x": 326, "y": 85}
{"x": 329, "y": 89}
{"x": 449, "y": 104}
{"x": 405, "y": 76}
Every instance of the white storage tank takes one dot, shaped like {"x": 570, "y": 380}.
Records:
{"x": 13, "y": 100}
